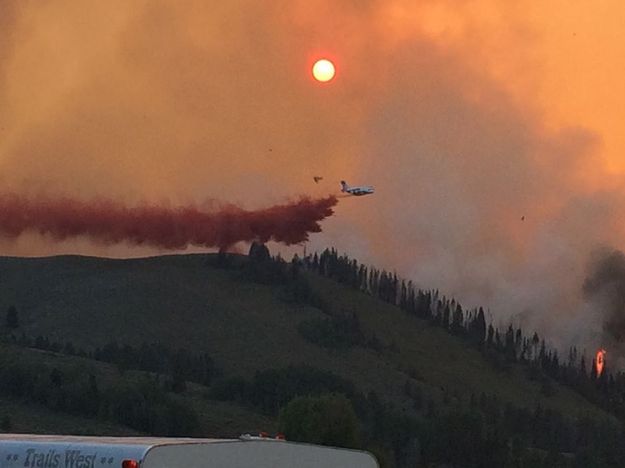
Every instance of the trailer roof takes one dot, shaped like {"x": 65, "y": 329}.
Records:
{"x": 143, "y": 441}
{"x": 60, "y": 451}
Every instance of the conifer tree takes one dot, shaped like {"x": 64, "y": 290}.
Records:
{"x": 593, "y": 371}
{"x": 491, "y": 334}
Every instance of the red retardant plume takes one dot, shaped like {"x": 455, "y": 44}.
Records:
{"x": 164, "y": 227}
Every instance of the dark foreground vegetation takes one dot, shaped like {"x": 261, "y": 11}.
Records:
{"x": 344, "y": 320}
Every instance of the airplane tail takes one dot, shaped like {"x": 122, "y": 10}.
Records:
{"x": 344, "y": 186}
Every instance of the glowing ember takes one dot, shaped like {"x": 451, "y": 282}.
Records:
{"x": 600, "y": 360}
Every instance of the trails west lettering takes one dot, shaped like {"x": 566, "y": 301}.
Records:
{"x": 53, "y": 459}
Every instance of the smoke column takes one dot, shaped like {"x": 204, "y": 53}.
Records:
{"x": 497, "y": 173}
{"x": 604, "y": 289}
{"x": 109, "y": 222}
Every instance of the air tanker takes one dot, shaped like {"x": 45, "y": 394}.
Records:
{"x": 356, "y": 191}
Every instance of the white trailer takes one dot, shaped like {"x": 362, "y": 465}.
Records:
{"x": 38, "y": 451}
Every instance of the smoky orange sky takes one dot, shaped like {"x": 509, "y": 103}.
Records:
{"x": 466, "y": 116}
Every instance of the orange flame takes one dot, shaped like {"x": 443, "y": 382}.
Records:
{"x": 600, "y": 360}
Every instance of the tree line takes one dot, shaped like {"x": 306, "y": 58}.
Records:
{"x": 179, "y": 364}
{"x": 318, "y": 406}
{"x": 500, "y": 347}
{"x": 143, "y": 405}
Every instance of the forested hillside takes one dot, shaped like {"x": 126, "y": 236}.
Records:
{"x": 217, "y": 345}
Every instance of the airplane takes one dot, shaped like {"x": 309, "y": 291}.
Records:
{"x": 357, "y": 191}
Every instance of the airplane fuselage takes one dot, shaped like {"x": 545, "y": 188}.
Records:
{"x": 359, "y": 191}
{"x": 356, "y": 191}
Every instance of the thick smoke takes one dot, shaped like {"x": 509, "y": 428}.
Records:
{"x": 488, "y": 129}
{"x": 604, "y": 288}
{"x": 166, "y": 228}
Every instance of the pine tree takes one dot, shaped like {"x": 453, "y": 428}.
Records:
{"x": 446, "y": 314}
{"x": 491, "y": 333}
{"x": 509, "y": 349}
{"x": 479, "y": 327}
{"x": 542, "y": 355}
{"x": 582, "y": 366}
{"x": 403, "y": 299}
{"x": 535, "y": 342}
{"x": 259, "y": 252}
{"x": 498, "y": 344}
{"x": 457, "y": 321}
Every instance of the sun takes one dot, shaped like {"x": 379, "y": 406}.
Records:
{"x": 323, "y": 70}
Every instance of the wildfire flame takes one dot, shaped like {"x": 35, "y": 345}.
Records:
{"x": 600, "y": 360}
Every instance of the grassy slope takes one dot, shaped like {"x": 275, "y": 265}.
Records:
{"x": 445, "y": 363}
{"x": 36, "y": 419}
{"x": 181, "y": 301}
